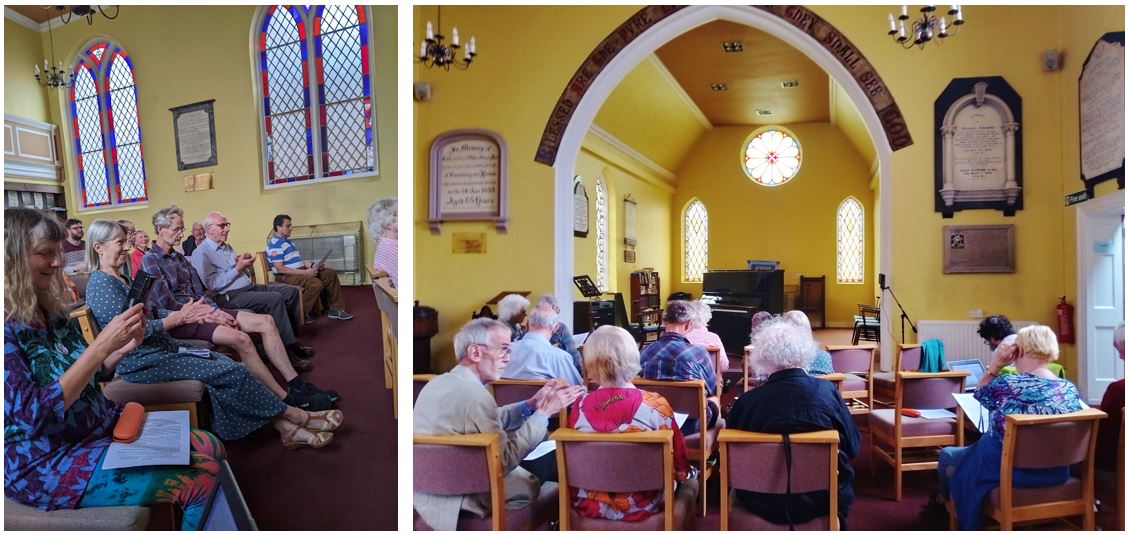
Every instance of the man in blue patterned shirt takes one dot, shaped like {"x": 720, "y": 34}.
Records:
{"x": 673, "y": 358}
{"x": 319, "y": 283}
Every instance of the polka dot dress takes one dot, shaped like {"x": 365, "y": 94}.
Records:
{"x": 240, "y": 403}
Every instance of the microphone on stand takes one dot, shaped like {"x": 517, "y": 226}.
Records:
{"x": 882, "y": 281}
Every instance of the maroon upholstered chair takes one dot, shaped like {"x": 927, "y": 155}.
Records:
{"x": 454, "y": 465}
{"x": 908, "y": 358}
{"x": 689, "y": 397}
{"x": 621, "y": 462}
{"x": 892, "y": 432}
{"x": 507, "y": 391}
{"x": 756, "y": 462}
{"x": 857, "y": 363}
{"x": 418, "y": 382}
{"x": 1061, "y": 440}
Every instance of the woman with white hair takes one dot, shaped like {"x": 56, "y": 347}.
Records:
{"x": 968, "y": 474}
{"x": 792, "y": 401}
{"x": 700, "y": 336}
{"x": 512, "y": 311}
{"x": 822, "y": 360}
{"x": 617, "y": 406}
{"x": 383, "y": 224}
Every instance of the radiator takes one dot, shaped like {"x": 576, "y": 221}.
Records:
{"x": 343, "y": 243}
{"x": 960, "y": 337}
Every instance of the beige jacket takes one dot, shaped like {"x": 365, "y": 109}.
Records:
{"x": 457, "y": 403}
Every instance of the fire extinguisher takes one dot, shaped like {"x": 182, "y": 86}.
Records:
{"x": 1065, "y": 321}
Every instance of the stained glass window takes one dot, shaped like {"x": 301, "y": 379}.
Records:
{"x": 771, "y": 157}
{"x": 601, "y": 236}
{"x": 110, "y": 168}
{"x": 849, "y": 242}
{"x": 696, "y": 231}
{"x": 317, "y": 107}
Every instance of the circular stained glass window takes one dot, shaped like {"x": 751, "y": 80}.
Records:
{"x": 771, "y": 157}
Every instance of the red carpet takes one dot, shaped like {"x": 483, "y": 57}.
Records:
{"x": 348, "y": 484}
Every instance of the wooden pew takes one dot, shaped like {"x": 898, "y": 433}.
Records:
{"x": 387, "y": 299}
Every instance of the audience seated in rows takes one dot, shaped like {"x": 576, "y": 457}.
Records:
{"x": 792, "y": 401}
{"x": 57, "y": 423}
{"x": 189, "y": 244}
{"x": 321, "y": 289}
{"x": 383, "y": 228}
{"x": 698, "y": 334}
{"x": 1113, "y": 402}
{"x": 533, "y": 357}
{"x": 512, "y": 312}
{"x": 456, "y": 403}
{"x": 241, "y": 399}
{"x": 177, "y": 284}
{"x": 225, "y": 275}
{"x": 562, "y": 336}
{"x": 673, "y": 358}
{"x": 968, "y": 474}
{"x": 617, "y": 406}
{"x": 822, "y": 361}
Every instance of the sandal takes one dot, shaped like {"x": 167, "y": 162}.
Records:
{"x": 313, "y": 439}
{"x": 323, "y": 420}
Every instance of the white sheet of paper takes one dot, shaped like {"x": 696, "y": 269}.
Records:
{"x": 680, "y": 418}
{"x": 936, "y": 414}
{"x": 976, "y": 412}
{"x": 548, "y": 446}
{"x": 163, "y": 441}
{"x": 580, "y": 338}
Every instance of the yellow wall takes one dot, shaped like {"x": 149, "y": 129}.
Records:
{"x": 794, "y": 223}
{"x": 515, "y": 100}
{"x": 183, "y": 55}
{"x": 22, "y": 52}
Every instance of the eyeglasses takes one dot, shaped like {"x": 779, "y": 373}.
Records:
{"x": 986, "y": 342}
{"x": 224, "y": 225}
{"x": 502, "y": 350}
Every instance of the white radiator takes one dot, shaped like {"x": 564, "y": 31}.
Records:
{"x": 960, "y": 337}
{"x": 342, "y": 242}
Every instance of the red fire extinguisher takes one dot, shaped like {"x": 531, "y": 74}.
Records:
{"x": 1065, "y": 321}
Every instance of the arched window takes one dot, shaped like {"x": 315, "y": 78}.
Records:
{"x": 313, "y": 70}
{"x": 696, "y": 234}
{"x": 109, "y": 164}
{"x": 849, "y": 242}
{"x": 601, "y": 235}
{"x": 771, "y": 156}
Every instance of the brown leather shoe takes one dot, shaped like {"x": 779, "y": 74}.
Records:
{"x": 301, "y": 365}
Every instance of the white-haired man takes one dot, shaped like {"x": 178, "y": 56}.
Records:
{"x": 533, "y": 357}
{"x": 562, "y": 336}
{"x": 458, "y": 403}
{"x": 512, "y": 312}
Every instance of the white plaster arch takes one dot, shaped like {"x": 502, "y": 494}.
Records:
{"x": 647, "y": 43}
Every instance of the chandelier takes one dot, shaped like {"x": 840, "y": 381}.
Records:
{"x": 85, "y": 11}
{"x": 53, "y": 77}
{"x": 434, "y": 52}
{"x": 925, "y": 28}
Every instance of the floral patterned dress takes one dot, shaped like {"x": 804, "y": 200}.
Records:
{"x": 625, "y": 410}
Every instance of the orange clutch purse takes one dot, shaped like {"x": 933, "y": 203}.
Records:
{"x": 129, "y": 423}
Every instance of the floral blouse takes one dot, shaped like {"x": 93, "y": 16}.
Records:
{"x": 625, "y": 410}
{"x": 49, "y": 453}
{"x": 1025, "y": 394}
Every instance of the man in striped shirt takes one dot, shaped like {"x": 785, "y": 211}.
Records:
{"x": 320, "y": 287}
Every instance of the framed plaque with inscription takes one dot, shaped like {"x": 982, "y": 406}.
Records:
{"x": 580, "y": 209}
{"x": 979, "y": 249}
{"x": 194, "y": 129}
{"x": 978, "y": 153}
{"x": 1102, "y": 109}
{"x": 468, "y": 179}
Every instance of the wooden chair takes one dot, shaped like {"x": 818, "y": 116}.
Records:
{"x": 836, "y": 379}
{"x": 892, "y": 433}
{"x": 456, "y": 465}
{"x": 173, "y": 395}
{"x": 857, "y": 363}
{"x": 755, "y": 462}
{"x": 507, "y": 391}
{"x": 719, "y": 374}
{"x": 908, "y": 357}
{"x": 418, "y": 382}
{"x": 620, "y": 462}
{"x": 747, "y": 353}
{"x": 262, "y": 271}
{"x": 689, "y": 397}
{"x": 1061, "y": 440}
{"x": 810, "y": 297}
{"x": 866, "y": 325}
{"x": 387, "y": 300}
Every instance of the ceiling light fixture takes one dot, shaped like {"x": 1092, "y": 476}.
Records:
{"x": 924, "y": 29}
{"x": 53, "y": 76}
{"x": 69, "y": 12}
{"x": 720, "y": 86}
{"x": 732, "y": 46}
{"x": 435, "y": 53}
{"x": 788, "y": 84}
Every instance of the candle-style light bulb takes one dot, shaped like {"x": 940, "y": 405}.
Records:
{"x": 37, "y": 70}
{"x": 454, "y": 36}
{"x": 902, "y": 13}
{"x": 958, "y": 17}
{"x": 891, "y": 22}
{"x": 942, "y": 27}
{"x": 471, "y": 47}
{"x": 423, "y": 49}
{"x": 429, "y": 31}
{"x": 902, "y": 30}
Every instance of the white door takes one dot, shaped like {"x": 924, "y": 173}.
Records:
{"x": 1102, "y": 305}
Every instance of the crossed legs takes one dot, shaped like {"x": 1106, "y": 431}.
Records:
{"x": 241, "y": 341}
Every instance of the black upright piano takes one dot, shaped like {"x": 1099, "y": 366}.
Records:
{"x": 734, "y": 297}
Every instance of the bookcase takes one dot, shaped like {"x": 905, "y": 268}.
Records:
{"x": 645, "y": 307}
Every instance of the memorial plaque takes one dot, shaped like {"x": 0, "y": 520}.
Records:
{"x": 1102, "y": 108}
{"x": 468, "y": 179}
{"x": 580, "y": 209}
{"x": 978, "y": 249}
{"x": 194, "y": 130}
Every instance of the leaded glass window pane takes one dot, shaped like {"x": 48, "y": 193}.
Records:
{"x": 601, "y": 236}
{"x": 87, "y": 127}
{"x": 286, "y": 96}
{"x": 126, "y": 133}
{"x": 343, "y": 75}
{"x": 849, "y": 242}
{"x": 771, "y": 158}
{"x": 696, "y": 233}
